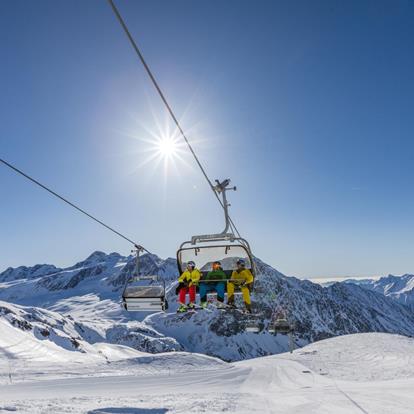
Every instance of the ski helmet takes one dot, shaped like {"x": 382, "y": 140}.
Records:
{"x": 191, "y": 264}
{"x": 241, "y": 262}
{"x": 216, "y": 264}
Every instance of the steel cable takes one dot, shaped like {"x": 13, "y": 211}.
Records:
{"x": 167, "y": 105}
{"x": 7, "y": 164}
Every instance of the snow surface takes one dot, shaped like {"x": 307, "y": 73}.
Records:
{"x": 361, "y": 373}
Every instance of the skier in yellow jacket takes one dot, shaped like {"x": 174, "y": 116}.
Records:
{"x": 243, "y": 278}
{"x": 187, "y": 283}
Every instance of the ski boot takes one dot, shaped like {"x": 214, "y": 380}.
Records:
{"x": 191, "y": 306}
{"x": 182, "y": 308}
{"x": 248, "y": 308}
{"x": 230, "y": 303}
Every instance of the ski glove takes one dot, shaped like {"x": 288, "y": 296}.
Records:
{"x": 179, "y": 286}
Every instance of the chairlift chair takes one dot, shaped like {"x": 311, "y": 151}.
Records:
{"x": 280, "y": 324}
{"x": 225, "y": 247}
{"x": 252, "y": 325}
{"x": 143, "y": 293}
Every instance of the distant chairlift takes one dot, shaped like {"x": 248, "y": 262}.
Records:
{"x": 143, "y": 293}
{"x": 281, "y": 324}
{"x": 252, "y": 325}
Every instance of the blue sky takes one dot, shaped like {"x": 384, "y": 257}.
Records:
{"x": 307, "y": 106}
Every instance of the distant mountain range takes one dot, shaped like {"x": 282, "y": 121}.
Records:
{"x": 399, "y": 288}
{"x": 88, "y": 296}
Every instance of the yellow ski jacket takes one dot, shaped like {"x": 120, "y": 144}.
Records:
{"x": 244, "y": 275}
{"x": 192, "y": 278}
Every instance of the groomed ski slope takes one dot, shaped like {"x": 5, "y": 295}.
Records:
{"x": 362, "y": 373}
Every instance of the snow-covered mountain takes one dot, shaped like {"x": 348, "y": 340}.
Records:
{"x": 88, "y": 294}
{"x": 399, "y": 288}
{"x": 23, "y": 272}
{"x": 67, "y": 333}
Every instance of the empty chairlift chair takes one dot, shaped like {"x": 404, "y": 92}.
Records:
{"x": 280, "y": 324}
{"x": 144, "y": 293}
{"x": 252, "y": 325}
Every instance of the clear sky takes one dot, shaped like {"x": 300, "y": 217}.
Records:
{"x": 307, "y": 105}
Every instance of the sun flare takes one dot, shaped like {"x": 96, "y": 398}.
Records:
{"x": 167, "y": 147}
{"x": 161, "y": 147}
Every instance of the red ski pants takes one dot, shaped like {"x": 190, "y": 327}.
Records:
{"x": 191, "y": 290}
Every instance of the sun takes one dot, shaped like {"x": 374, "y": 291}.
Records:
{"x": 161, "y": 147}
{"x": 167, "y": 147}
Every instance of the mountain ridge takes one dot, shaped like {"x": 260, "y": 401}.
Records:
{"x": 399, "y": 288}
{"x": 90, "y": 292}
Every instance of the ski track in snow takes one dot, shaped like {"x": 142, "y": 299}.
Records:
{"x": 361, "y": 373}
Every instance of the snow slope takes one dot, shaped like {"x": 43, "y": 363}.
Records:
{"x": 27, "y": 354}
{"x": 319, "y": 378}
{"x": 360, "y": 357}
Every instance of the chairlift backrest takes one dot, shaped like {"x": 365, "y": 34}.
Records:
{"x": 145, "y": 298}
{"x": 204, "y": 256}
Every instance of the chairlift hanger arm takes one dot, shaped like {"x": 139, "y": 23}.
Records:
{"x": 220, "y": 188}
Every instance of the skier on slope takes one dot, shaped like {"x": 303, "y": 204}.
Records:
{"x": 243, "y": 279}
{"x": 187, "y": 283}
{"x": 214, "y": 281}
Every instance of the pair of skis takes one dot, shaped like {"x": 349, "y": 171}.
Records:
{"x": 222, "y": 307}
{"x": 203, "y": 308}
